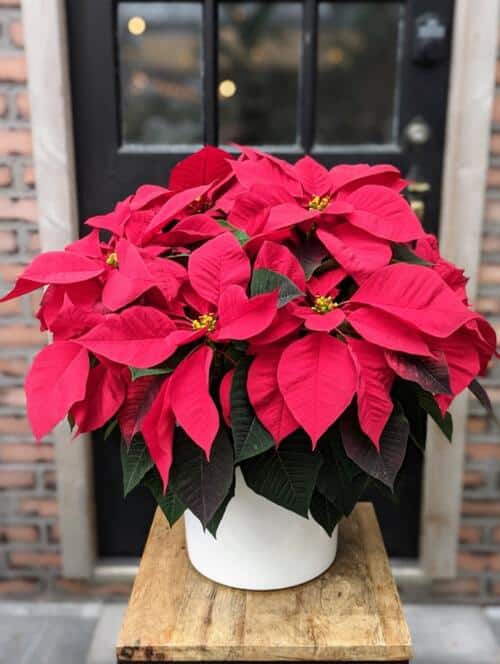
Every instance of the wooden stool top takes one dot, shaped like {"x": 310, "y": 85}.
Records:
{"x": 352, "y": 613}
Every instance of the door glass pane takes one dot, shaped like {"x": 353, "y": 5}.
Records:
{"x": 159, "y": 53}
{"x": 358, "y": 52}
{"x": 259, "y": 51}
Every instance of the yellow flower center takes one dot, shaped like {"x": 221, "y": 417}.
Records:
{"x": 200, "y": 204}
{"x": 112, "y": 259}
{"x": 318, "y": 203}
{"x": 205, "y": 321}
{"x": 323, "y": 304}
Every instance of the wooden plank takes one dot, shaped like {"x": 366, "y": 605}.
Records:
{"x": 350, "y": 613}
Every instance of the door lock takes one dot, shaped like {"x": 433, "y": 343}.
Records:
{"x": 417, "y": 197}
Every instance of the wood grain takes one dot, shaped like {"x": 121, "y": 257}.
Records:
{"x": 350, "y": 613}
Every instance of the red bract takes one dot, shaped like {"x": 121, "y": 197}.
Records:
{"x": 257, "y": 298}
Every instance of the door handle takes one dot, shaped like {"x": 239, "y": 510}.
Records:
{"x": 417, "y": 194}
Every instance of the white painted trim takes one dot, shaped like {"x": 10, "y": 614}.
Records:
{"x": 464, "y": 182}
{"x": 472, "y": 76}
{"x": 50, "y": 97}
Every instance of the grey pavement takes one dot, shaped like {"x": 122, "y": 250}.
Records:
{"x": 84, "y": 633}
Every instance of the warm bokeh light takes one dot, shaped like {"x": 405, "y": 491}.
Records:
{"x": 137, "y": 26}
{"x": 335, "y": 55}
{"x": 227, "y": 88}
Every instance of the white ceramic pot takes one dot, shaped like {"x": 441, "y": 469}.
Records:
{"x": 259, "y": 545}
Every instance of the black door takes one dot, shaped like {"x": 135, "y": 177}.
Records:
{"x": 343, "y": 80}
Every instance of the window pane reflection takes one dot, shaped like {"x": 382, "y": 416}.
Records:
{"x": 159, "y": 46}
{"x": 357, "y": 72}
{"x": 259, "y": 51}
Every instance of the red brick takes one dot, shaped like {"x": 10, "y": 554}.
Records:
{"x": 496, "y": 535}
{"x": 25, "y": 209}
{"x": 489, "y": 274}
{"x": 470, "y": 534}
{"x": 13, "y": 68}
{"x": 16, "y": 33}
{"x": 14, "y": 426}
{"x": 15, "y": 141}
{"x": 12, "y": 396}
{"x": 488, "y": 305}
{"x": 26, "y": 453}
{"x": 50, "y": 559}
{"x": 495, "y": 144}
{"x": 481, "y": 508}
{"x": 74, "y": 587}
{"x": 50, "y": 480}
{"x": 481, "y": 451}
{"x": 5, "y": 176}
{"x": 34, "y": 243}
{"x": 23, "y": 105}
{"x": 13, "y": 366}
{"x": 39, "y": 506}
{"x": 17, "y": 587}
{"x": 494, "y": 177}
{"x": 4, "y": 106}
{"x": 54, "y": 533}
{"x": 11, "y": 307}
{"x": 465, "y": 586}
{"x": 473, "y": 479}
{"x": 17, "y": 336}
{"x": 8, "y": 242}
{"x": 495, "y": 588}
{"x": 10, "y": 3}
{"x": 477, "y": 424}
{"x": 493, "y": 211}
{"x": 19, "y": 533}
{"x": 29, "y": 176}
{"x": 17, "y": 479}
{"x": 479, "y": 562}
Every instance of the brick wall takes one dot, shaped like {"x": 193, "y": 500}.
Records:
{"x": 29, "y": 537}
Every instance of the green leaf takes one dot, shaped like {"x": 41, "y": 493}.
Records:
{"x": 136, "y": 462}
{"x": 430, "y": 406}
{"x": 200, "y": 484}
{"x": 110, "y": 428}
{"x": 213, "y": 524}
{"x": 170, "y": 503}
{"x": 266, "y": 281}
{"x": 403, "y": 254}
{"x": 156, "y": 371}
{"x": 249, "y": 436}
{"x": 240, "y": 235}
{"x": 286, "y": 475}
{"x": 311, "y": 253}
{"x": 340, "y": 481}
{"x": 385, "y": 464}
{"x": 324, "y": 512}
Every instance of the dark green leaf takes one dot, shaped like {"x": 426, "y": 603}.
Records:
{"x": 324, "y": 512}
{"x": 428, "y": 403}
{"x": 213, "y": 524}
{"x": 385, "y": 464}
{"x": 429, "y": 372}
{"x": 311, "y": 253}
{"x": 156, "y": 371}
{"x": 266, "y": 281}
{"x": 240, "y": 235}
{"x": 170, "y": 503}
{"x": 110, "y": 428}
{"x": 340, "y": 481}
{"x": 286, "y": 475}
{"x": 403, "y": 254}
{"x": 481, "y": 395}
{"x": 200, "y": 484}
{"x": 250, "y": 437}
{"x": 136, "y": 462}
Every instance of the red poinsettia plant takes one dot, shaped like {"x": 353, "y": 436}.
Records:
{"x": 290, "y": 320}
